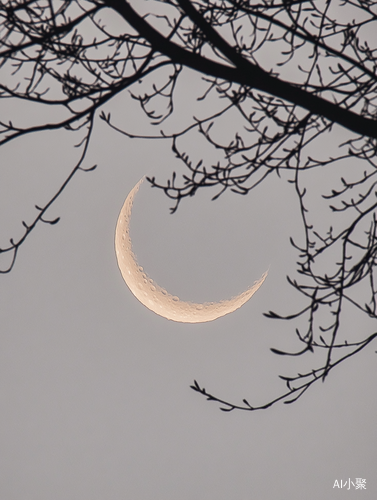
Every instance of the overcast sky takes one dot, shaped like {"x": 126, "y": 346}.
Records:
{"x": 95, "y": 387}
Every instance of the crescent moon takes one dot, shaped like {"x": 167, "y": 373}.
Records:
{"x": 157, "y": 299}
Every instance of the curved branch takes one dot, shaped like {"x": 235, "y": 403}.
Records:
{"x": 244, "y": 72}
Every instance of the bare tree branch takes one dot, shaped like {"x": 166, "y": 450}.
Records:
{"x": 292, "y": 72}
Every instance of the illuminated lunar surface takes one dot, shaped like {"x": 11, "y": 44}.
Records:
{"x": 155, "y": 298}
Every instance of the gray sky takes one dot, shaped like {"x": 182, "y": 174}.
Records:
{"x": 95, "y": 388}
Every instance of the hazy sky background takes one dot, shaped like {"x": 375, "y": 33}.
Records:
{"x": 95, "y": 388}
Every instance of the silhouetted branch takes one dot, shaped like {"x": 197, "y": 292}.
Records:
{"x": 294, "y": 392}
{"x": 284, "y": 76}
{"x": 15, "y": 245}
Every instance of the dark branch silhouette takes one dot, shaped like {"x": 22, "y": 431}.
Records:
{"x": 294, "y": 72}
